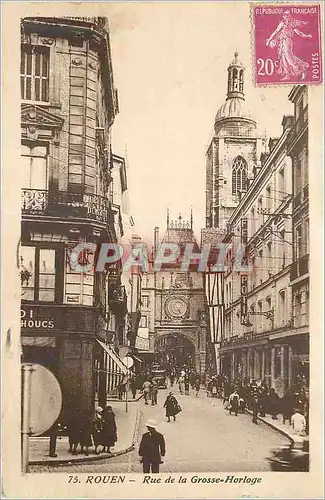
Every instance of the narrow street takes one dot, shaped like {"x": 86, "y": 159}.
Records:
{"x": 204, "y": 438}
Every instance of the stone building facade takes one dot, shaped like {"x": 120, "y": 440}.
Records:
{"x": 173, "y": 318}
{"x": 266, "y": 335}
{"x": 72, "y": 322}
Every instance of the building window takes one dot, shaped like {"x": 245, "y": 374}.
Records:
{"x": 38, "y": 274}
{"x": 282, "y": 307}
{"x": 34, "y": 73}
{"x": 239, "y": 176}
{"x": 34, "y": 171}
{"x": 298, "y": 242}
{"x": 145, "y": 301}
{"x": 281, "y": 184}
{"x": 298, "y": 306}
{"x": 307, "y": 235}
{"x": 143, "y": 322}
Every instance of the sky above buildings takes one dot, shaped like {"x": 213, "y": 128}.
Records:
{"x": 170, "y": 67}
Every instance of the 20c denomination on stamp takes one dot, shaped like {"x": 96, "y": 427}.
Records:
{"x": 287, "y": 44}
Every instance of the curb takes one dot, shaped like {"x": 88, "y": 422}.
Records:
{"x": 274, "y": 427}
{"x": 95, "y": 458}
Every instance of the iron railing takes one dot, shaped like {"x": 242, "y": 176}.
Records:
{"x": 66, "y": 204}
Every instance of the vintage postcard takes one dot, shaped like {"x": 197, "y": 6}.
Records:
{"x": 162, "y": 258}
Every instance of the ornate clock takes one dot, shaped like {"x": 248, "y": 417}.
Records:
{"x": 176, "y": 307}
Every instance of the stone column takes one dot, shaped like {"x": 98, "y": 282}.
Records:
{"x": 263, "y": 364}
{"x": 272, "y": 366}
{"x": 282, "y": 362}
{"x": 232, "y": 365}
{"x": 249, "y": 372}
{"x": 244, "y": 364}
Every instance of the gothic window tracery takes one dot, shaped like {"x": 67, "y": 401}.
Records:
{"x": 239, "y": 175}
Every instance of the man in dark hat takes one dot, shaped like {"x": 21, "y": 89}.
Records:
{"x": 152, "y": 448}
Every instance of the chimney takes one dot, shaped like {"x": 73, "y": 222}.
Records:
{"x": 287, "y": 122}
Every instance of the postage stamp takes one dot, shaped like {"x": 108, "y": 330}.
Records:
{"x": 287, "y": 44}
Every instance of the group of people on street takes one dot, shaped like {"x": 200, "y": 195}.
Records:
{"x": 98, "y": 431}
{"x": 262, "y": 400}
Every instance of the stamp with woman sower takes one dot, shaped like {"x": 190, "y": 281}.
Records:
{"x": 287, "y": 44}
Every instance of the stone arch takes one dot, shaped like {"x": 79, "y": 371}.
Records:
{"x": 176, "y": 348}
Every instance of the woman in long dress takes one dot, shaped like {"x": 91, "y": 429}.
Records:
{"x": 282, "y": 37}
{"x": 109, "y": 430}
{"x": 172, "y": 406}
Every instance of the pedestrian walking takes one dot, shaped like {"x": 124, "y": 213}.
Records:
{"x": 73, "y": 426}
{"x": 298, "y": 423}
{"x": 146, "y": 391}
{"x": 152, "y": 448}
{"x": 181, "y": 384}
{"x": 97, "y": 427}
{"x": 121, "y": 389}
{"x": 133, "y": 387}
{"x": 255, "y": 406}
{"x": 85, "y": 432}
{"x": 274, "y": 404}
{"x": 53, "y": 436}
{"x": 197, "y": 387}
{"x": 109, "y": 430}
{"x": 154, "y": 392}
{"x": 172, "y": 407}
{"x": 187, "y": 385}
{"x": 287, "y": 406}
{"x": 172, "y": 378}
{"x": 234, "y": 403}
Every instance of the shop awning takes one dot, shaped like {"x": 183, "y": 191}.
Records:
{"x": 115, "y": 358}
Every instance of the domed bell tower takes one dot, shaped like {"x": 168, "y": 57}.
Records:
{"x": 232, "y": 152}
{"x": 235, "y": 79}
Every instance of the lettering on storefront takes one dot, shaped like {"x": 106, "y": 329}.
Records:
{"x": 28, "y": 319}
{"x": 243, "y": 299}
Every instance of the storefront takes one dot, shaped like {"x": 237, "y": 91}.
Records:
{"x": 71, "y": 343}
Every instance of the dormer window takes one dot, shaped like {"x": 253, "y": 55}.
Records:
{"x": 34, "y": 73}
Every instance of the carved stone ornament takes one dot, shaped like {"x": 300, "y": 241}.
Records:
{"x": 24, "y": 38}
{"x": 92, "y": 65}
{"x": 77, "y": 61}
{"x": 47, "y": 41}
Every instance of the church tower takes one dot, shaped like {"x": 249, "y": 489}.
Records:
{"x": 232, "y": 152}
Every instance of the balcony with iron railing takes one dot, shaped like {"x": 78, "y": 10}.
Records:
{"x": 64, "y": 204}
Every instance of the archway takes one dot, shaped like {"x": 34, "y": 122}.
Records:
{"x": 174, "y": 351}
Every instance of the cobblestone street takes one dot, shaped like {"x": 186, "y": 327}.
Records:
{"x": 230, "y": 443}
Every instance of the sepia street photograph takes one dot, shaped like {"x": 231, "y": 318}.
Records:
{"x": 164, "y": 254}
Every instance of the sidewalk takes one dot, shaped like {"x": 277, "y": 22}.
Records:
{"x": 277, "y": 425}
{"x": 126, "y": 422}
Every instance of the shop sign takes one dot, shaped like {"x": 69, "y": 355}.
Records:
{"x": 142, "y": 344}
{"x": 28, "y": 319}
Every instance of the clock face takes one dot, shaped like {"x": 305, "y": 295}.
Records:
{"x": 176, "y": 307}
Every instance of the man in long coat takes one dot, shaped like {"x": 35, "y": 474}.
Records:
{"x": 152, "y": 448}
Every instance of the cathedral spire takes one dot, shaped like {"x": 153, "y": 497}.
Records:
{"x": 236, "y": 78}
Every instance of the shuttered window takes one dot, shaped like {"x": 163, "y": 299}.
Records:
{"x": 34, "y": 73}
